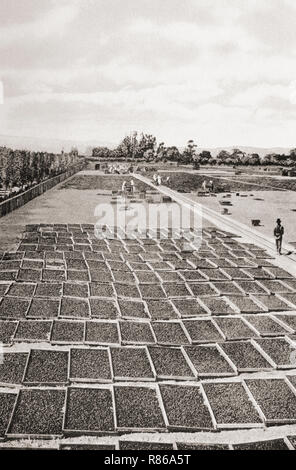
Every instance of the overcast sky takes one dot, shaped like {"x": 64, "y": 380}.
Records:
{"x": 222, "y": 72}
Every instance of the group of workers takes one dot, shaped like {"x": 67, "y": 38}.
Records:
{"x": 158, "y": 180}
{"x": 209, "y": 188}
{"x": 128, "y": 187}
{"x": 119, "y": 169}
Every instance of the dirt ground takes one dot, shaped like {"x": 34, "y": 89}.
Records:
{"x": 62, "y": 205}
{"x": 69, "y": 205}
{"x": 264, "y": 205}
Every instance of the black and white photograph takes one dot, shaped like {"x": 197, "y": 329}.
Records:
{"x": 147, "y": 228}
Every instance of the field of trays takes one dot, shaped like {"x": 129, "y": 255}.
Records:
{"x": 145, "y": 342}
{"x": 189, "y": 182}
{"x": 281, "y": 184}
{"x": 106, "y": 183}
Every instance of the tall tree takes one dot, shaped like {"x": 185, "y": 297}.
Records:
{"x": 161, "y": 152}
{"x": 127, "y": 148}
{"x": 223, "y": 156}
{"x": 204, "y": 157}
{"x": 147, "y": 142}
{"x": 237, "y": 156}
{"x": 173, "y": 154}
{"x": 189, "y": 152}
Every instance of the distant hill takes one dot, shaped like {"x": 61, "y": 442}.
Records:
{"x": 261, "y": 151}
{"x": 50, "y": 145}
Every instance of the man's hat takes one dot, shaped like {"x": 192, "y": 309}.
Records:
{"x": 278, "y": 221}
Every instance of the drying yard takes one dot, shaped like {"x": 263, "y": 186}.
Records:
{"x": 153, "y": 341}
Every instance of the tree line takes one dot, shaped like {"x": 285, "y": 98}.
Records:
{"x": 145, "y": 147}
{"x": 20, "y": 169}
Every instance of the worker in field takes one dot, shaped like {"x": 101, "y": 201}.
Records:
{"x": 278, "y": 234}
